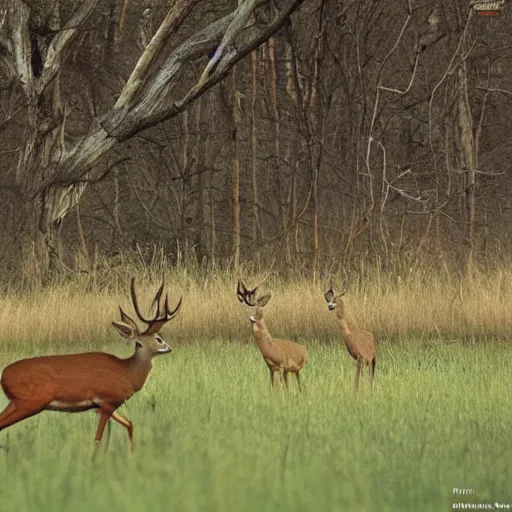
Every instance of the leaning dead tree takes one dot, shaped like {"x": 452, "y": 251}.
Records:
{"x": 52, "y": 173}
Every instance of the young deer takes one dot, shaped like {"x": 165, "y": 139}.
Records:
{"x": 279, "y": 355}
{"x": 93, "y": 380}
{"x": 359, "y": 343}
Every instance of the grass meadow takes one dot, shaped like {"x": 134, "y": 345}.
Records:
{"x": 210, "y": 435}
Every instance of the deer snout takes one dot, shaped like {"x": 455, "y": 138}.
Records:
{"x": 331, "y": 306}
{"x": 252, "y": 319}
{"x": 165, "y": 350}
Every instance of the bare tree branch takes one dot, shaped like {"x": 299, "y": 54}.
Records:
{"x": 21, "y": 46}
{"x": 491, "y": 89}
{"x": 177, "y": 13}
{"x": 61, "y": 40}
{"x": 122, "y": 123}
{"x": 240, "y": 19}
{"x": 150, "y": 110}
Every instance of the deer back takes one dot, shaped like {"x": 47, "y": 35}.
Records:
{"x": 297, "y": 355}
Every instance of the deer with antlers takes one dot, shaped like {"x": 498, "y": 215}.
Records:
{"x": 359, "y": 343}
{"x": 93, "y": 380}
{"x": 281, "y": 356}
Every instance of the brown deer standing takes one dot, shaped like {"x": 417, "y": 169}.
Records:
{"x": 93, "y": 380}
{"x": 279, "y": 355}
{"x": 359, "y": 343}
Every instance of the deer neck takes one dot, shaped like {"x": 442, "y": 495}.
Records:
{"x": 139, "y": 366}
{"x": 345, "y": 326}
{"x": 261, "y": 334}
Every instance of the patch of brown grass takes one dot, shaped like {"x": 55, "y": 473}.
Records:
{"x": 422, "y": 302}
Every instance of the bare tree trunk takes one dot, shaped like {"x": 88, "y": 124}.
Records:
{"x": 237, "y": 113}
{"x": 115, "y": 209}
{"x": 274, "y": 162}
{"x": 468, "y": 164}
{"x": 36, "y": 42}
{"x": 290, "y": 205}
{"x": 123, "y": 15}
{"x": 112, "y": 34}
{"x": 316, "y": 238}
{"x": 316, "y": 137}
{"x": 84, "y": 258}
{"x": 254, "y": 150}
{"x": 295, "y": 210}
{"x": 201, "y": 145}
{"x": 211, "y": 189}
{"x": 182, "y": 234}
{"x": 292, "y": 193}
{"x": 311, "y": 113}
{"x": 294, "y": 94}
{"x": 53, "y": 176}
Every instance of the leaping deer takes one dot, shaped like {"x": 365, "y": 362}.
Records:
{"x": 359, "y": 343}
{"x": 279, "y": 355}
{"x": 93, "y": 380}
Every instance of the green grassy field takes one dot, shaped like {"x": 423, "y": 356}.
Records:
{"x": 210, "y": 435}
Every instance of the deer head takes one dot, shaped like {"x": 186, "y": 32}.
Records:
{"x": 246, "y": 295}
{"x": 253, "y": 300}
{"x": 261, "y": 302}
{"x": 331, "y": 298}
{"x": 148, "y": 339}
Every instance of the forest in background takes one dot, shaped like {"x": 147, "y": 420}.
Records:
{"x": 315, "y": 134}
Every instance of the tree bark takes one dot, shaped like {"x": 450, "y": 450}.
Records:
{"x": 201, "y": 145}
{"x": 274, "y": 162}
{"x": 466, "y": 141}
{"x": 40, "y": 81}
{"x": 54, "y": 175}
{"x": 254, "y": 150}
{"x": 237, "y": 114}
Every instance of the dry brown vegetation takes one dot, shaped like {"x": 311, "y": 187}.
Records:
{"x": 424, "y": 302}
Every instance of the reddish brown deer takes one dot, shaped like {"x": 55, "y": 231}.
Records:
{"x": 93, "y": 380}
{"x": 279, "y": 355}
{"x": 359, "y": 343}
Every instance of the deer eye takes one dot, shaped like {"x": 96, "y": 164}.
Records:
{"x": 159, "y": 340}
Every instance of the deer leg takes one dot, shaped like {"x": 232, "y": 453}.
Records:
{"x": 109, "y": 433}
{"x": 285, "y": 378}
{"x": 271, "y": 377}
{"x": 17, "y": 411}
{"x": 4, "y": 415}
{"x": 298, "y": 381}
{"x": 127, "y": 424}
{"x": 358, "y": 374}
{"x": 104, "y": 418}
{"x": 372, "y": 371}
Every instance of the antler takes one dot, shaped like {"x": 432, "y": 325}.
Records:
{"x": 248, "y": 296}
{"x": 266, "y": 275}
{"x": 156, "y": 323}
{"x": 330, "y": 293}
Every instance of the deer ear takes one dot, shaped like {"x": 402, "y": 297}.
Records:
{"x": 125, "y": 330}
{"x": 263, "y": 301}
{"x": 340, "y": 294}
{"x": 329, "y": 295}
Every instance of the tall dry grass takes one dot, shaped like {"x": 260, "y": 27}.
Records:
{"x": 423, "y": 301}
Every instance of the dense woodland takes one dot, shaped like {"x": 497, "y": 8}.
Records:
{"x": 313, "y": 133}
